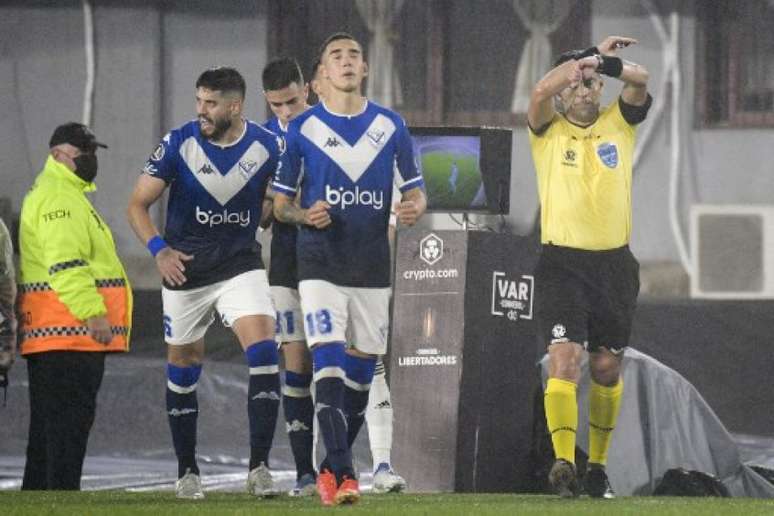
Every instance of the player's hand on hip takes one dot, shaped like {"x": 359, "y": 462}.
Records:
{"x": 171, "y": 266}
{"x": 317, "y": 215}
{"x": 612, "y": 44}
{"x": 99, "y": 329}
{"x": 407, "y": 212}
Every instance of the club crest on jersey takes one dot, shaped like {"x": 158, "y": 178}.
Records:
{"x": 247, "y": 168}
{"x": 158, "y": 152}
{"x": 376, "y": 137}
{"x": 608, "y": 153}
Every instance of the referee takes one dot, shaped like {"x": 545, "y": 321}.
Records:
{"x": 587, "y": 279}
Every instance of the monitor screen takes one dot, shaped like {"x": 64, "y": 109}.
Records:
{"x": 466, "y": 169}
{"x": 452, "y": 171}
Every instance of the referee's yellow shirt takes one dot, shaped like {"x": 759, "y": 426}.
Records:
{"x": 585, "y": 181}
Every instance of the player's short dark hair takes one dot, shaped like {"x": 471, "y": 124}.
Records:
{"x": 281, "y": 73}
{"x": 222, "y": 79}
{"x": 315, "y": 68}
{"x": 336, "y": 36}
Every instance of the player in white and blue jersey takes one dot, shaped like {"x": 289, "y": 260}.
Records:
{"x": 379, "y": 412}
{"x": 286, "y": 94}
{"x": 217, "y": 168}
{"x": 350, "y": 149}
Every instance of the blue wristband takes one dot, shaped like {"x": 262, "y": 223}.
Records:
{"x": 155, "y": 245}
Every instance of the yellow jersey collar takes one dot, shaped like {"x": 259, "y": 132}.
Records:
{"x": 60, "y": 171}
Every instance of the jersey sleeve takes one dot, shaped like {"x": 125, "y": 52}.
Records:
{"x": 408, "y": 175}
{"x": 634, "y": 114}
{"x": 538, "y": 141}
{"x": 614, "y": 115}
{"x": 289, "y": 166}
{"x": 163, "y": 160}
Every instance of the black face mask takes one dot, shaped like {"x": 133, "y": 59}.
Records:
{"x": 86, "y": 167}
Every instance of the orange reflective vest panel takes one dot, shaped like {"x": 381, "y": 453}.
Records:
{"x": 48, "y": 325}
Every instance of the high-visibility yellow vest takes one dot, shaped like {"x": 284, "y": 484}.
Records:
{"x": 70, "y": 270}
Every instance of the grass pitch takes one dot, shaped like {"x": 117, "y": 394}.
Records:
{"x": 116, "y": 503}
{"x": 436, "y": 169}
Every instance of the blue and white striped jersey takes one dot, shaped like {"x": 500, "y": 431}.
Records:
{"x": 215, "y": 198}
{"x": 350, "y": 161}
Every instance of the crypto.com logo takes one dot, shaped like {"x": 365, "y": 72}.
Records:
{"x": 431, "y": 249}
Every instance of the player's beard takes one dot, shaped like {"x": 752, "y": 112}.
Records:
{"x": 585, "y": 113}
{"x": 219, "y": 128}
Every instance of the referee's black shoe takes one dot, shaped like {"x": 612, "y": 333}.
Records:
{"x": 564, "y": 479}
{"x": 596, "y": 484}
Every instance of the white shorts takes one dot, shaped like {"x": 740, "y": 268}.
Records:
{"x": 333, "y": 313}
{"x": 188, "y": 313}
{"x": 290, "y": 322}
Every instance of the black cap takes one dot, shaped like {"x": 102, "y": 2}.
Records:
{"x": 77, "y": 135}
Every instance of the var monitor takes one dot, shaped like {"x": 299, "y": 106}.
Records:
{"x": 466, "y": 169}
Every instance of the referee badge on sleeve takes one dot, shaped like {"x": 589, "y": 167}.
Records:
{"x": 608, "y": 153}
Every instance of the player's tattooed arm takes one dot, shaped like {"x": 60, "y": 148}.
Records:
{"x": 285, "y": 210}
{"x": 267, "y": 208}
{"x": 267, "y": 214}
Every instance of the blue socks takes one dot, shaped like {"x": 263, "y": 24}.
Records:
{"x": 182, "y": 413}
{"x": 299, "y": 414}
{"x": 343, "y": 379}
{"x": 263, "y": 397}
{"x": 360, "y": 373}
{"x": 329, "y": 362}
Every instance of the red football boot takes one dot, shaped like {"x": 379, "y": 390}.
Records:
{"x": 349, "y": 492}
{"x": 326, "y": 487}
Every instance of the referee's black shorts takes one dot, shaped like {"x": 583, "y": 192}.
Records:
{"x": 586, "y": 297}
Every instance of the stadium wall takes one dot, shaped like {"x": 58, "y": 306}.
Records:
{"x": 148, "y": 56}
{"x": 149, "y": 53}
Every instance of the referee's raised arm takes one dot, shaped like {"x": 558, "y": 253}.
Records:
{"x": 541, "y": 103}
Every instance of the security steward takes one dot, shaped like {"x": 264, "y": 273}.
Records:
{"x": 75, "y": 305}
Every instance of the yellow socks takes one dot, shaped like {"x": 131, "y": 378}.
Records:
{"x": 561, "y": 407}
{"x": 604, "y": 403}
